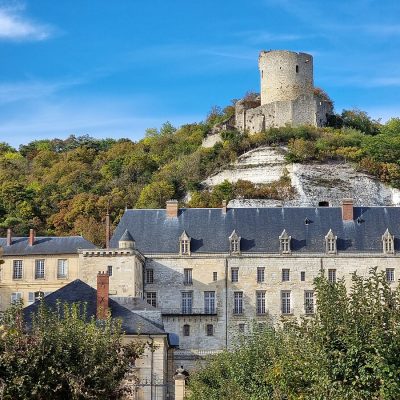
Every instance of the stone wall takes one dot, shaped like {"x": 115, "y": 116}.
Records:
{"x": 304, "y": 110}
{"x": 285, "y": 75}
{"x": 28, "y": 283}
{"x": 127, "y": 276}
{"x": 168, "y": 283}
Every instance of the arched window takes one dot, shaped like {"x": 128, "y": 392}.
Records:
{"x": 186, "y": 330}
{"x": 234, "y": 243}
{"x": 388, "y": 242}
{"x": 330, "y": 243}
{"x": 184, "y": 244}
{"x": 284, "y": 242}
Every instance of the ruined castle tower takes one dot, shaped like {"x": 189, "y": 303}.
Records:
{"x": 285, "y": 75}
{"x": 288, "y": 96}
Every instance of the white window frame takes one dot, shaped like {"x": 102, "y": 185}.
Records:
{"x": 209, "y": 302}
{"x": 150, "y": 276}
{"x": 187, "y": 302}
{"x": 62, "y": 268}
{"x": 40, "y": 268}
{"x": 188, "y": 276}
{"x": 260, "y": 274}
{"x": 18, "y": 270}
{"x": 234, "y": 275}
{"x": 151, "y": 298}
{"x": 332, "y": 275}
{"x": 238, "y": 302}
{"x": 15, "y": 297}
{"x": 285, "y": 274}
{"x": 390, "y": 277}
{"x": 309, "y": 302}
{"x": 261, "y": 305}
{"x": 286, "y": 302}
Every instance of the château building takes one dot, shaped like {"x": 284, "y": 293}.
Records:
{"x": 213, "y": 272}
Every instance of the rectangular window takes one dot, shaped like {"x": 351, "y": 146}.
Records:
{"x": 62, "y": 269}
{"x": 16, "y": 297}
{"x": 309, "y": 302}
{"x": 285, "y": 275}
{"x": 186, "y": 330}
{"x": 238, "y": 303}
{"x": 332, "y": 275}
{"x": 390, "y": 274}
{"x": 260, "y": 274}
{"x": 39, "y": 269}
{"x": 187, "y": 276}
{"x": 234, "y": 274}
{"x": 302, "y": 276}
{"x": 261, "y": 302}
{"x": 17, "y": 269}
{"x": 187, "y": 302}
{"x": 210, "y": 330}
{"x": 285, "y": 302}
{"x": 149, "y": 276}
{"x": 215, "y": 276}
{"x": 151, "y": 298}
{"x": 209, "y": 302}
{"x": 109, "y": 270}
{"x": 242, "y": 328}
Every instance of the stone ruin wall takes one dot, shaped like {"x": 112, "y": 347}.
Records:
{"x": 285, "y": 75}
{"x": 287, "y": 95}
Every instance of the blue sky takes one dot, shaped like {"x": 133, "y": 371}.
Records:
{"x": 114, "y": 68}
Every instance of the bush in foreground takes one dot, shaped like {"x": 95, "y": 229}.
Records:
{"x": 350, "y": 350}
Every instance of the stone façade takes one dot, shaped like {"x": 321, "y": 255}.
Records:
{"x": 288, "y": 96}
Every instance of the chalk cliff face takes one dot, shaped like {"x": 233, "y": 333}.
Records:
{"x": 314, "y": 183}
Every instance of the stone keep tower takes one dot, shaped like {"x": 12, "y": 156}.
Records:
{"x": 287, "y": 96}
{"x": 285, "y": 75}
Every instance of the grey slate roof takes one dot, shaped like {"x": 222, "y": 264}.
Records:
{"x": 126, "y": 236}
{"x": 259, "y": 229}
{"x": 78, "y": 291}
{"x": 45, "y": 245}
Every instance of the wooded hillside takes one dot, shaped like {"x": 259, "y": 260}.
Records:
{"x": 64, "y": 187}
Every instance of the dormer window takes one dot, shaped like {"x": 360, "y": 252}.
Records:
{"x": 234, "y": 243}
{"x": 184, "y": 244}
{"x": 388, "y": 242}
{"x": 284, "y": 242}
{"x": 330, "y": 243}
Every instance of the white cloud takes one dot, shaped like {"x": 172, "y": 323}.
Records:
{"x": 17, "y": 91}
{"x": 15, "y": 26}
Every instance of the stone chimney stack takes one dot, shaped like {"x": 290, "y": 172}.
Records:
{"x": 224, "y": 206}
{"x": 347, "y": 210}
{"x": 31, "y": 240}
{"x": 103, "y": 285}
{"x": 9, "y": 237}
{"x": 172, "y": 208}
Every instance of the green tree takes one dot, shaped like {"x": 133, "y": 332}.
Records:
{"x": 63, "y": 355}
{"x": 348, "y": 351}
{"x": 155, "y": 194}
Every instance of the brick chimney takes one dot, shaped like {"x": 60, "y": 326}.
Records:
{"x": 9, "y": 237}
{"x": 103, "y": 284}
{"x": 31, "y": 237}
{"x": 347, "y": 210}
{"x": 172, "y": 208}
{"x": 224, "y": 206}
